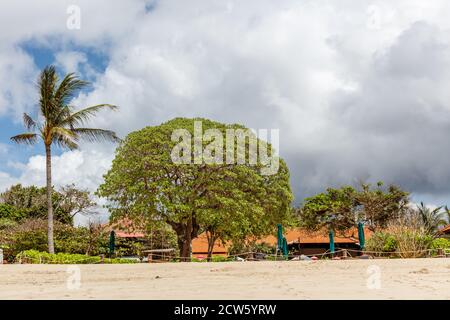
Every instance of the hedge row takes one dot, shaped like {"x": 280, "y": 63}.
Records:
{"x": 37, "y": 257}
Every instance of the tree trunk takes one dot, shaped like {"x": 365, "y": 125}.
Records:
{"x": 48, "y": 154}
{"x": 211, "y": 241}
{"x": 185, "y": 233}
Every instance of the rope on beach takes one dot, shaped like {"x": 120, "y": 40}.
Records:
{"x": 392, "y": 252}
{"x": 249, "y": 256}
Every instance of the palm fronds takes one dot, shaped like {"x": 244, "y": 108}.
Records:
{"x": 25, "y": 138}
{"x": 95, "y": 135}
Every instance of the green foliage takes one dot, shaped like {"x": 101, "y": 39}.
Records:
{"x": 221, "y": 259}
{"x": 440, "y": 243}
{"x": 10, "y": 212}
{"x": 407, "y": 241}
{"x": 36, "y": 257}
{"x": 6, "y": 223}
{"x": 231, "y": 201}
{"x": 333, "y": 210}
{"x": 340, "y": 209}
{"x": 19, "y": 202}
{"x": 32, "y": 234}
{"x": 381, "y": 242}
{"x": 432, "y": 219}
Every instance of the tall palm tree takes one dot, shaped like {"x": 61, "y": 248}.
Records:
{"x": 59, "y": 123}
{"x": 432, "y": 219}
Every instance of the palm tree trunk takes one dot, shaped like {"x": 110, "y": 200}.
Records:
{"x": 48, "y": 154}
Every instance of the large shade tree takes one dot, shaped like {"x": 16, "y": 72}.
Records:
{"x": 59, "y": 123}
{"x": 144, "y": 183}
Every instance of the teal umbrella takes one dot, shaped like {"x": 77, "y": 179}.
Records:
{"x": 285, "y": 248}
{"x": 112, "y": 242}
{"x": 362, "y": 240}
{"x": 331, "y": 235}
{"x": 280, "y": 237}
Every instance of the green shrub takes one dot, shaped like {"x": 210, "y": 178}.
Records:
{"x": 440, "y": 243}
{"x": 36, "y": 257}
{"x": 32, "y": 234}
{"x": 6, "y": 223}
{"x": 406, "y": 241}
{"x": 221, "y": 259}
{"x": 390, "y": 243}
{"x": 381, "y": 242}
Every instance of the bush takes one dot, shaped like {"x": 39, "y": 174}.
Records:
{"x": 412, "y": 241}
{"x": 32, "y": 234}
{"x": 36, "y": 257}
{"x": 221, "y": 259}
{"x": 6, "y": 223}
{"x": 406, "y": 241}
{"x": 381, "y": 242}
{"x": 440, "y": 243}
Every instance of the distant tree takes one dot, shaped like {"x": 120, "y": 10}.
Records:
{"x": 19, "y": 202}
{"x": 340, "y": 209}
{"x": 380, "y": 205}
{"x": 61, "y": 125}
{"x": 73, "y": 201}
{"x": 332, "y": 210}
{"x": 145, "y": 182}
{"x": 432, "y": 219}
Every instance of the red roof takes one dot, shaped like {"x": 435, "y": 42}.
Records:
{"x": 125, "y": 228}
{"x": 298, "y": 235}
{"x": 445, "y": 230}
{"x": 200, "y": 246}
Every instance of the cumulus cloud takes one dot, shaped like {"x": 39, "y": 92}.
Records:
{"x": 358, "y": 89}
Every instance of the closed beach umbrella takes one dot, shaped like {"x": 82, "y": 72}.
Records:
{"x": 280, "y": 237}
{"x": 331, "y": 235}
{"x": 285, "y": 248}
{"x": 112, "y": 242}
{"x": 361, "y": 238}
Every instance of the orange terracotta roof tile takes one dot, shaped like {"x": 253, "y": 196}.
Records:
{"x": 445, "y": 230}
{"x": 200, "y": 246}
{"x": 298, "y": 235}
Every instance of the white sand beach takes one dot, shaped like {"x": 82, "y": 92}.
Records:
{"x": 349, "y": 279}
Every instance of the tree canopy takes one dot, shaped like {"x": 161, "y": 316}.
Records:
{"x": 19, "y": 202}
{"x": 228, "y": 199}
{"x": 340, "y": 209}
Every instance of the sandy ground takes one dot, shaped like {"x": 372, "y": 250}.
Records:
{"x": 350, "y": 279}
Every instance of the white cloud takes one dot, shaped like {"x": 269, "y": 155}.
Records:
{"x": 70, "y": 61}
{"x": 359, "y": 89}
{"x": 84, "y": 168}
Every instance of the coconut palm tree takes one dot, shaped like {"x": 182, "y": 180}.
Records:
{"x": 431, "y": 219}
{"x": 59, "y": 123}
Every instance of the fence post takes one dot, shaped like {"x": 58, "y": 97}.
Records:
{"x": 1, "y": 256}
{"x": 344, "y": 254}
{"x": 102, "y": 258}
{"x": 440, "y": 252}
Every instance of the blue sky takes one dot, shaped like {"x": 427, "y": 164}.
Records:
{"x": 42, "y": 56}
